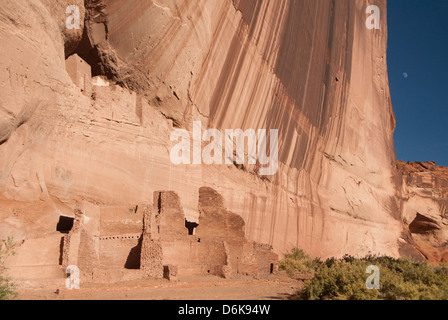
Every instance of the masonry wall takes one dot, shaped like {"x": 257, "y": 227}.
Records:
{"x": 169, "y": 216}
{"x": 218, "y": 246}
{"x": 80, "y": 72}
{"x": 121, "y": 220}
{"x": 120, "y": 251}
{"x": 106, "y": 243}
{"x": 195, "y": 258}
{"x": 37, "y": 259}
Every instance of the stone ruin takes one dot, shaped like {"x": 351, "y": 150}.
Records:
{"x": 112, "y": 244}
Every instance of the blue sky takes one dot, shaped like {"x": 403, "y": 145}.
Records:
{"x": 418, "y": 75}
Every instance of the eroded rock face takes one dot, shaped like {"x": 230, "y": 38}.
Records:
{"x": 313, "y": 71}
{"x": 310, "y": 69}
{"x": 425, "y": 207}
{"x": 36, "y": 39}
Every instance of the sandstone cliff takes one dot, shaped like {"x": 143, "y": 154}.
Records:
{"x": 310, "y": 69}
{"x": 425, "y": 207}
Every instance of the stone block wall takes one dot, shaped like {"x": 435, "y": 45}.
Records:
{"x": 80, "y": 72}
{"x": 129, "y": 242}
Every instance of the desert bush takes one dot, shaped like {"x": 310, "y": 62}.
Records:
{"x": 7, "y": 288}
{"x": 298, "y": 261}
{"x": 339, "y": 280}
{"x": 345, "y": 279}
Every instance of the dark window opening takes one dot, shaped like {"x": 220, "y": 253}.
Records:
{"x": 166, "y": 272}
{"x": 271, "y": 271}
{"x": 65, "y": 224}
{"x": 191, "y": 226}
{"x": 159, "y": 203}
{"x": 61, "y": 251}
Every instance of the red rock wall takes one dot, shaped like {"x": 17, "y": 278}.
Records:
{"x": 310, "y": 69}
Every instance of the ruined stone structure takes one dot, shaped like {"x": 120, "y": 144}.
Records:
{"x": 215, "y": 244}
{"x": 110, "y": 244}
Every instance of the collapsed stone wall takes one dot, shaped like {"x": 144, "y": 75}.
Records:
{"x": 104, "y": 245}
{"x": 78, "y": 247}
{"x": 212, "y": 247}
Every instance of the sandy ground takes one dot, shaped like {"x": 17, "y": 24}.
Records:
{"x": 191, "y": 288}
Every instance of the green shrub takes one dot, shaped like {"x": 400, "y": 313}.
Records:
{"x": 7, "y": 288}
{"x": 298, "y": 261}
{"x": 345, "y": 279}
{"x": 339, "y": 280}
